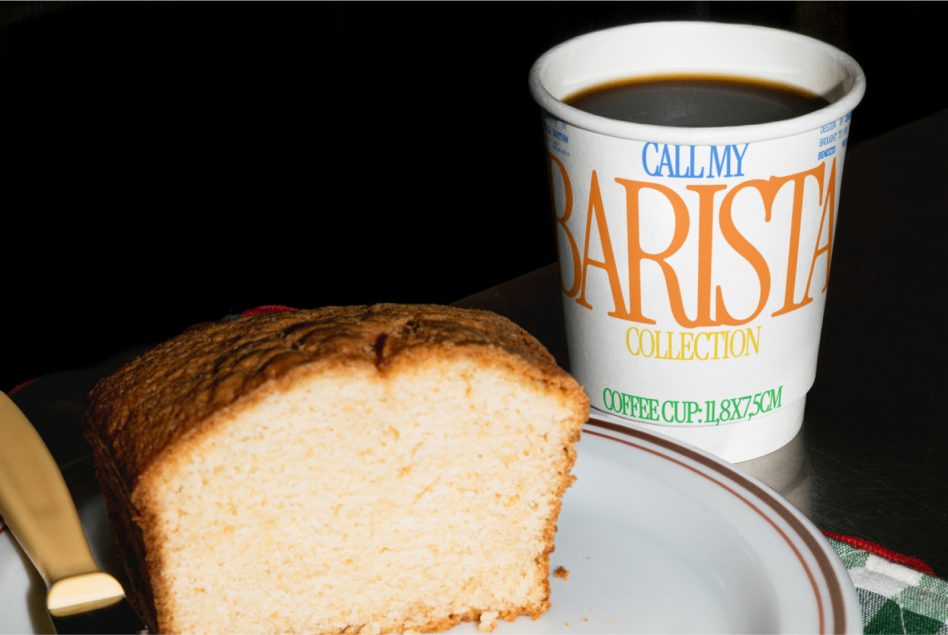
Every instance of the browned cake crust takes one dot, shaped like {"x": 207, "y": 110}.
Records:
{"x": 166, "y": 396}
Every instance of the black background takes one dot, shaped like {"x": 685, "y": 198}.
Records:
{"x": 168, "y": 164}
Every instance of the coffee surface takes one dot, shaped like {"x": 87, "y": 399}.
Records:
{"x": 696, "y": 101}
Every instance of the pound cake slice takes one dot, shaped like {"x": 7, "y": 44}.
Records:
{"x": 371, "y": 469}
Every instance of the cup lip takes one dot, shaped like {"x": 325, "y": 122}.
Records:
{"x": 699, "y": 135}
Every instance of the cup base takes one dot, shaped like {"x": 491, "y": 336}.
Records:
{"x": 738, "y": 441}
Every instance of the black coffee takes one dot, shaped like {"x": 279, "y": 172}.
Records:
{"x": 696, "y": 101}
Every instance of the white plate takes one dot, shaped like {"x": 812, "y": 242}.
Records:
{"x": 656, "y": 536}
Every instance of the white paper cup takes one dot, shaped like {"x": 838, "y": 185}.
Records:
{"x": 695, "y": 303}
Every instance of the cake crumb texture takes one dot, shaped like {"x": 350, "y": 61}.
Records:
{"x": 488, "y": 621}
{"x": 392, "y": 468}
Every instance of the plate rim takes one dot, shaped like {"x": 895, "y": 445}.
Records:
{"x": 842, "y": 611}
{"x": 845, "y": 614}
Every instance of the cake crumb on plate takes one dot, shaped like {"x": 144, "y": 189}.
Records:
{"x": 488, "y": 621}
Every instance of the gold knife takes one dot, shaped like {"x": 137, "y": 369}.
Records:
{"x": 40, "y": 513}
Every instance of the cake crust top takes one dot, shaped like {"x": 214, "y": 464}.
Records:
{"x": 168, "y": 393}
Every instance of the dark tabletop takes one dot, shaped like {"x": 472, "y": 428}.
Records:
{"x": 870, "y": 461}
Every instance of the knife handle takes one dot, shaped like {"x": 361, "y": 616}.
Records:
{"x": 35, "y": 503}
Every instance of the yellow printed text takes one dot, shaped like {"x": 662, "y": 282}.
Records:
{"x": 693, "y": 345}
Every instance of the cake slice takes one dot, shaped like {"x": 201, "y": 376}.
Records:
{"x": 343, "y": 470}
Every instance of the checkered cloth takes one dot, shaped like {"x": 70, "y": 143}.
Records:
{"x": 894, "y": 597}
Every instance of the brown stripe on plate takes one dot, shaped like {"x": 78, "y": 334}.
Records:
{"x": 823, "y": 561}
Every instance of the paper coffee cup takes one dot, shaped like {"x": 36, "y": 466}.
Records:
{"x": 695, "y": 262}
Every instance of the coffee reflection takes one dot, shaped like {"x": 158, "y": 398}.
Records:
{"x": 788, "y": 471}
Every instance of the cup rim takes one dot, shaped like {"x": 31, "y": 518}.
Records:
{"x": 699, "y": 135}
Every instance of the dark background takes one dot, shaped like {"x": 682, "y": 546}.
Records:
{"x": 169, "y": 164}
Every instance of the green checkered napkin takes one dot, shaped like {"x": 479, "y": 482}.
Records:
{"x": 894, "y": 598}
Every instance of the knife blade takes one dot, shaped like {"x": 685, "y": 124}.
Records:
{"x": 40, "y": 514}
